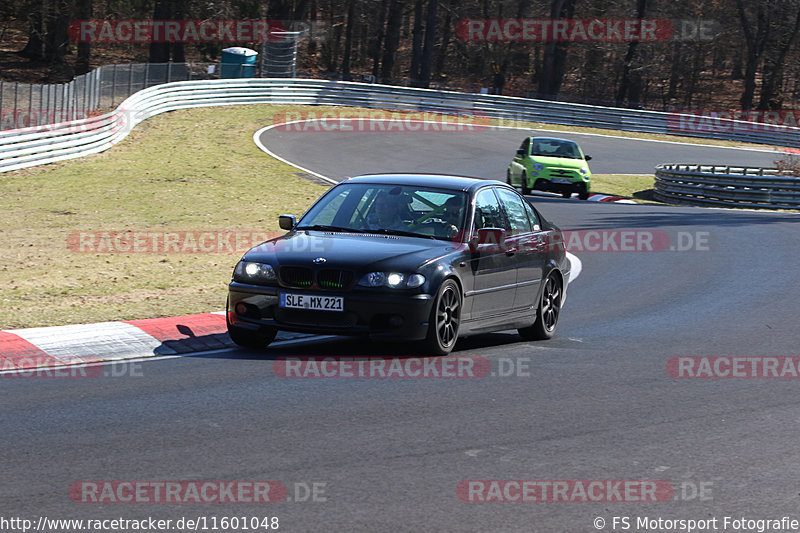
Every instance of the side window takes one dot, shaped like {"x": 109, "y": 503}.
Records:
{"x": 487, "y": 211}
{"x": 536, "y": 224}
{"x": 515, "y": 210}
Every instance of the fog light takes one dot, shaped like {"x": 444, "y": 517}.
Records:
{"x": 395, "y": 321}
{"x": 241, "y": 309}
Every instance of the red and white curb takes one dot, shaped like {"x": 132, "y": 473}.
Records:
{"x": 111, "y": 341}
{"x": 606, "y": 198}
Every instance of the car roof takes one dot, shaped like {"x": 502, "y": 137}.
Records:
{"x": 439, "y": 181}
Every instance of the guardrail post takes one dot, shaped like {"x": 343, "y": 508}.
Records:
{"x": 113, "y": 85}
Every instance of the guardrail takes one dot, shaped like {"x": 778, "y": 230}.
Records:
{"x": 763, "y": 188}
{"x": 46, "y": 144}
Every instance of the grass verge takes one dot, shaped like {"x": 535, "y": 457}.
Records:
{"x": 194, "y": 170}
{"x": 637, "y": 188}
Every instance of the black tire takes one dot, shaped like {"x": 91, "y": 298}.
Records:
{"x": 546, "y": 313}
{"x": 566, "y": 194}
{"x": 445, "y": 319}
{"x": 246, "y": 338}
{"x": 584, "y": 193}
{"x": 525, "y": 189}
{"x": 508, "y": 177}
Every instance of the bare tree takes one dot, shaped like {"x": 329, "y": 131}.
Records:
{"x": 430, "y": 41}
{"x": 555, "y": 53}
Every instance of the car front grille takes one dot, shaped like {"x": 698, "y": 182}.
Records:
{"x": 296, "y": 276}
{"x": 562, "y": 173}
{"x": 330, "y": 279}
{"x": 335, "y": 279}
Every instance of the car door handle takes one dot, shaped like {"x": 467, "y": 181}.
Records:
{"x": 511, "y": 251}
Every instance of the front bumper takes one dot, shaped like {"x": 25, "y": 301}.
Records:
{"x": 576, "y": 187}
{"x": 376, "y": 313}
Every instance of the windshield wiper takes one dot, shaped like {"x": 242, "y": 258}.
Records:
{"x": 323, "y": 227}
{"x": 398, "y": 232}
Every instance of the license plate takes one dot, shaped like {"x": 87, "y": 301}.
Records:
{"x": 314, "y": 303}
{"x": 562, "y": 180}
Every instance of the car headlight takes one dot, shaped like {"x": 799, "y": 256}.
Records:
{"x": 250, "y": 272}
{"x": 538, "y": 167}
{"x": 394, "y": 280}
{"x": 584, "y": 171}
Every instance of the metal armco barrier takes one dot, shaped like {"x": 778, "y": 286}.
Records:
{"x": 705, "y": 185}
{"x": 46, "y": 144}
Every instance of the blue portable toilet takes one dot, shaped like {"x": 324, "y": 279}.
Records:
{"x": 238, "y": 62}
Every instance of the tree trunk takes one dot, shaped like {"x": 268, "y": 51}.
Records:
{"x": 416, "y": 43}
{"x": 755, "y": 42}
{"x": 159, "y": 52}
{"x": 84, "y": 12}
{"x": 377, "y": 43}
{"x": 348, "y": 39}
{"x": 771, "y": 87}
{"x": 34, "y": 48}
{"x": 447, "y": 36}
{"x": 56, "y": 40}
{"x": 625, "y": 86}
{"x": 555, "y": 53}
{"x": 393, "y": 22}
{"x": 430, "y": 43}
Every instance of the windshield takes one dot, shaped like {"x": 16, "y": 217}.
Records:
{"x": 391, "y": 209}
{"x": 556, "y": 148}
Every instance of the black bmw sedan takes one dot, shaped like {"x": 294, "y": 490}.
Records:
{"x": 412, "y": 257}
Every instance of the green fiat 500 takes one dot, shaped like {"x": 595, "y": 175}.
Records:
{"x": 549, "y": 164}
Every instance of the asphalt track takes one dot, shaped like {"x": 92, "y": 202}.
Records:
{"x": 338, "y": 149}
{"x": 594, "y": 403}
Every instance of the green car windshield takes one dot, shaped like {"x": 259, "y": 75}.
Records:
{"x": 556, "y": 148}
{"x": 389, "y": 209}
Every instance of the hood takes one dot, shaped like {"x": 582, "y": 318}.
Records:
{"x": 357, "y": 251}
{"x": 563, "y": 162}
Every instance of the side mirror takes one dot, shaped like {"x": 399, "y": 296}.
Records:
{"x": 522, "y": 151}
{"x": 488, "y": 239}
{"x": 587, "y": 158}
{"x": 287, "y": 222}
